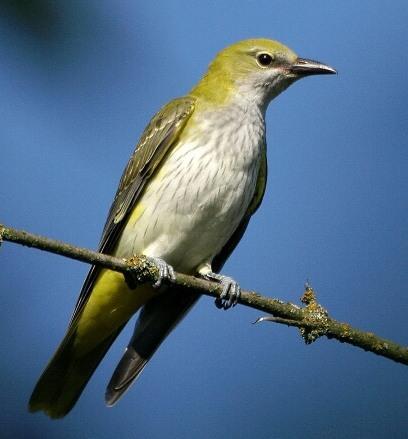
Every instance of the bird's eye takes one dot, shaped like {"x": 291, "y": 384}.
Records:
{"x": 264, "y": 59}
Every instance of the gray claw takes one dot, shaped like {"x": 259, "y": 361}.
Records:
{"x": 166, "y": 271}
{"x": 231, "y": 291}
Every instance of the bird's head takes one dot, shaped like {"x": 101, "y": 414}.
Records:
{"x": 256, "y": 70}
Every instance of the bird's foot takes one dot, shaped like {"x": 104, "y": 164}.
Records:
{"x": 231, "y": 291}
{"x": 166, "y": 271}
{"x": 144, "y": 266}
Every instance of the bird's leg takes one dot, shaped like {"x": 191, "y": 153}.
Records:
{"x": 142, "y": 263}
{"x": 231, "y": 291}
{"x": 166, "y": 271}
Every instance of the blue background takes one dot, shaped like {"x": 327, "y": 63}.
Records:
{"x": 78, "y": 83}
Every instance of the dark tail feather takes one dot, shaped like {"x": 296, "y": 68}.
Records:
{"x": 157, "y": 318}
{"x": 128, "y": 369}
{"x": 65, "y": 377}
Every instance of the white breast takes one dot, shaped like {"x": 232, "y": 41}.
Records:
{"x": 198, "y": 198}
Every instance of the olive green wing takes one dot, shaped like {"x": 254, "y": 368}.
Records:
{"x": 229, "y": 247}
{"x": 156, "y": 141}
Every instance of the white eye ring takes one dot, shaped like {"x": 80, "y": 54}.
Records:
{"x": 264, "y": 59}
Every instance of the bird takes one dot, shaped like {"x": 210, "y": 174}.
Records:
{"x": 184, "y": 201}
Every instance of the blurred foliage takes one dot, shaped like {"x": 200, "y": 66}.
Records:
{"x": 49, "y": 32}
{"x": 38, "y": 17}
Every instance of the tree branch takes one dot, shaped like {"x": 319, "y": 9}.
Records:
{"x": 312, "y": 319}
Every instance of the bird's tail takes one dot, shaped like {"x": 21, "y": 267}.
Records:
{"x": 157, "y": 318}
{"x": 65, "y": 377}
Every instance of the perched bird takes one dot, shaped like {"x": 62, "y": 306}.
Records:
{"x": 184, "y": 201}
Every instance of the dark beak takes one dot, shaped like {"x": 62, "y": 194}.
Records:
{"x": 305, "y": 67}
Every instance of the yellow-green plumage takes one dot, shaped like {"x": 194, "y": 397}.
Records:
{"x": 186, "y": 196}
{"x": 220, "y": 82}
